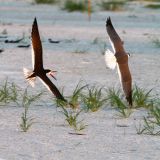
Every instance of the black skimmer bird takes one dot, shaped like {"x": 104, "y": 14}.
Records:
{"x": 37, "y": 61}
{"x": 119, "y": 57}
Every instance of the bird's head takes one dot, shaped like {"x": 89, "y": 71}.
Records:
{"x": 51, "y": 73}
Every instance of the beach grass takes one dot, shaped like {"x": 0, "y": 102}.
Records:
{"x": 71, "y": 6}
{"x": 142, "y": 97}
{"x": 153, "y": 6}
{"x": 75, "y": 99}
{"x": 26, "y": 120}
{"x": 151, "y": 124}
{"x": 72, "y": 119}
{"x": 8, "y": 92}
{"x": 94, "y": 99}
{"x": 45, "y": 1}
{"x": 116, "y": 100}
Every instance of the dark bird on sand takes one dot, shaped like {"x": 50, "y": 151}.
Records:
{"x": 1, "y": 50}
{"x": 23, "y": 46}
{"x": 119, "y": 58}
{"x": 17, "y": 40}
{"x": 53, "y": 41}
{"x": 37, "y": 62}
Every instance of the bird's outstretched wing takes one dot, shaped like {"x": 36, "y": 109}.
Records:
{"x": 116, "y": 42}
{"x": 121, "y": 59}
{"x": 51, "y": 87}
{"x": 37, "y": 59}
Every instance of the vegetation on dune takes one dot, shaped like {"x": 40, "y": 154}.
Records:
{"x": 151, "y": 124}
{"x": 153, "y": 6}
{"x": 71, "y": 5}
{"x": 8, "y": 93}
{"x": 26, "y": 120}
{"x": 45, "y": 1}
{"x": 115, "y": 98}
{"x": 72, "y": 119}
{"x": 150, "y": 0}
{"x": 94, "y": 99}
{"x": 142, "y": 97}
{"x": 88, "y": 98}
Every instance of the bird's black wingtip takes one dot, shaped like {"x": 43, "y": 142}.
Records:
{"x": 108, "y": 22}
{"x": 129, "y": 99}
{"x": 35, "y": 20}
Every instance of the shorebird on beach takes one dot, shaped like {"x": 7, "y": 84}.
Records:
{"x": 37, "y": 62}
{"x": 119, "y": 58}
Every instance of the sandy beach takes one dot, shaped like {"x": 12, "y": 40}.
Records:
{"x": 77, "y": 57}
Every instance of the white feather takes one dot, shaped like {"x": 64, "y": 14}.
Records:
{"x": 110, "y": 59}
{"x": 27, "y": 73}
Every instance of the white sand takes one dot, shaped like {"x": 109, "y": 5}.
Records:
{"x": 48, "y": 139}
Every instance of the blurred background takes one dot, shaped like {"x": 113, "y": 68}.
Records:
{"x": 74, "y": 37}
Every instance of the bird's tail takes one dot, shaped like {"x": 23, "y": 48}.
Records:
{"x": 110, "y": 59}
{"x": 30, "y": 76}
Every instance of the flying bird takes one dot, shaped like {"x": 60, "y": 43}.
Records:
{"x": 119, "y": 58}
{"x": 37, "y": 62}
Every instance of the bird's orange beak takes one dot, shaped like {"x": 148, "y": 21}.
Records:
{"x": 52, "y": 73}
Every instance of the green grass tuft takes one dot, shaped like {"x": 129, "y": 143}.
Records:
{"x": 74, "y": 100}
{"x": 71, "y": 6}
{"x": 94, "y": 99}
{"x": 71, "y": 117}
{"x": 8, "y": 93}
{"x": 153, "y": 6}
{"x": 142, "y": 98}
{"x": 116, "y": 100}
{"x": 151, "y": 125}
{"x": 27, "y": 100}
{"x": 45, "y": 1}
